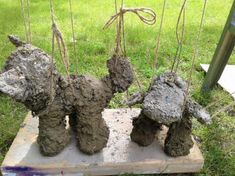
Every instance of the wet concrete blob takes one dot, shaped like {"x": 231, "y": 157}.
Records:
{"x": 30, "y": 77}
{"x": 164, "y": 104}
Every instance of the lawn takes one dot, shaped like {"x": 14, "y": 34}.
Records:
{"x": 95, "y": 46}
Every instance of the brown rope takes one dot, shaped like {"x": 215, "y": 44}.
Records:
{"x": 178, "y": 55}
{"x": 52, "y": 54}
{"x": 195, "y": 53}
{"x": 178, "y": 37}
{"x": 148, "y": 11}
{"x": 57, "y": 35}
{"x": 60, "y": 41}
{"x": 29, "y": 22}
{"x": 73, "y": 34}
{"x": 119, "y": 16}
{"x": 26, "y": 19}
{"x": 123, "y": 33}
{"x": 158, "y": 42}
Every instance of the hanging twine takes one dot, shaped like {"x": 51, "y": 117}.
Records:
{"x": 137, "y": 11}
{"x": 26, "y": 18}
{"x": 179, "y": 37}
{"x": 29, "y": 22}
{"x": 73, "y": 34}
{"x": 154, "y": 67}
{"x": 180, "y": 44}
{"x": 60, "y": 41}
{"x": 196, "y": 50}
{"x": 57, "y": 35}
{"x": 119, "y": 16}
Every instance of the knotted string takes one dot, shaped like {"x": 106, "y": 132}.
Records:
{"x": 137, "y": 11}
{"x": 58, "y": 37}
{"x": 119, "y": 16}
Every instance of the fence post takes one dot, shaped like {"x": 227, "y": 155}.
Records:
{"x": 222, "y": 53}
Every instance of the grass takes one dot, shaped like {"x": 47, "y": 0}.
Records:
{"x": 95, "y": 46}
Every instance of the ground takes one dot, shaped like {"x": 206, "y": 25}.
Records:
{"x": 95, "y": 46}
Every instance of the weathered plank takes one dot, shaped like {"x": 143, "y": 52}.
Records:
{"x": 120, "y": 156}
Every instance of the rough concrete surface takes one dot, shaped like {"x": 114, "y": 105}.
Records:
{"x": 165, "y": 99}
{"x": 30, "y": 77}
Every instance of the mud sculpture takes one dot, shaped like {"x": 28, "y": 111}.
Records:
{"x": 30, "y": 77}
{"x": 165, "y": 104}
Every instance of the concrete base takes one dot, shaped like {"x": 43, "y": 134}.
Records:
{"x": 120, "y": 156}
{"x": 227, "y": 79}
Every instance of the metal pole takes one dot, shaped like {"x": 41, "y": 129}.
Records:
{"x": 222, "y": 53}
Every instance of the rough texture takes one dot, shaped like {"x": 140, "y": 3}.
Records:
{"x": 197, "y": 111}
{"x": 53, "y": 136}
{"x": 120, "y": 73}
{"x": 165, "y": 103}
{"x": 165, "y": 99}
{"x": 179, "y": 141}
{"x": 31, "y": 78}
{"x": 144, "y": 130}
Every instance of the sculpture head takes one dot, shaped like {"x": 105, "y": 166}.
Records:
{"x": 29, "y": 76}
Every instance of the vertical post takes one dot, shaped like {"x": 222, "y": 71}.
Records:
{"x": 222, "y": 53}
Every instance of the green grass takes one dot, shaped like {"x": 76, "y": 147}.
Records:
{"x": 95, "y": 46}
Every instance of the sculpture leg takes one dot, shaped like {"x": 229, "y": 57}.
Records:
{"x": 53, "y": 136}
{"x": 92, "y": 133}
{"x": 144, "y": 130}
{"x": 179, "y": 141}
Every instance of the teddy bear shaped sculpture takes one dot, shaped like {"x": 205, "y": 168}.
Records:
{"x": 166, "y": 103}
{"x": 30, "y": 77}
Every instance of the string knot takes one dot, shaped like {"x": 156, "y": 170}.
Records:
{"x": 150, "y": 19}
{"x": 147, "y": 20}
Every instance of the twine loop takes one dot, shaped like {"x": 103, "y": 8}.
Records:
{"x": 150, "y": 19}
{"x": 147, "y": 20}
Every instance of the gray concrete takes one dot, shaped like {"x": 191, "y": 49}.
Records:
{"x": 120, "y": 156}
{"x": 227, "y": 79}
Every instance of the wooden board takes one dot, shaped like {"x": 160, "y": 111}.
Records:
{"x": 120, "y": 156}
{"x": 227, "y": 79}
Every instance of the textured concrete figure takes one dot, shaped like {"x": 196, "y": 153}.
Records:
{"x": 165, "y": 104}
{"x": 30, "y": 77}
